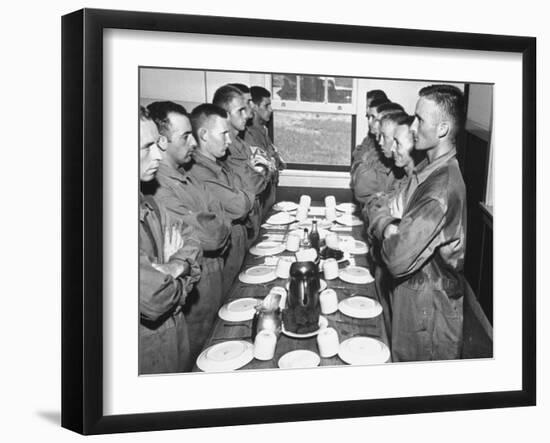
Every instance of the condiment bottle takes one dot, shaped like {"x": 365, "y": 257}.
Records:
{"x": 305, "y": 239}
{"x": 314, "y": 238}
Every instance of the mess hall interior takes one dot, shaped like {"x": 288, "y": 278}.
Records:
{"x": 294, "y": 220}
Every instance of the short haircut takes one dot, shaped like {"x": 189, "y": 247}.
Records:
{"x": 450, "y": 101}
{"x": 159, "y": 112}
{"x": 241, "y": 87}
{"x": 389, "y": 108}
{"x": 377, "y": 102}
{"x": 225, "y": 95}
{"x": 375, "y": 94}
{"x": 201, "y": 114}
{"x": 399, "y": 118}
{"x": 258, "y": 94}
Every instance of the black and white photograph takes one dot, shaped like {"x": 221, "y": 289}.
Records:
{"x": 299, "y": 221}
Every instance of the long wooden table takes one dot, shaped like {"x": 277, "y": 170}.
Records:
{"x": 345, "y": 326}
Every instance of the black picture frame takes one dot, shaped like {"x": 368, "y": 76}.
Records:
{"x": 82, "y": 219}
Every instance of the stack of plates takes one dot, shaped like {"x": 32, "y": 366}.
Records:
{"x": 349, "y": 220}
{"x": 360, "y": 307}
{"x": 285, "y": 206}
{"x": 267, "y": 247}
{"x": 301, "y": 358}
{"x": 356, "y": 275}
{"x": 258, "y": 274}
{"x": 242, "y": 309}
{"x": 226, "y": 356}
{"x": 347, "y": 208}
{"x": 280, "y": 218}
{"x": 363, "y": 351}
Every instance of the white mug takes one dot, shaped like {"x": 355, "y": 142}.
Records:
{"x": 330, "y": 213}
{"x": 327, "y": 341}
{"x": 305, "y": 201}
{"x": 332, "y": 241}
{"x": 283, "y": 267}
{"x": 330, "y": 269}
{"x": 293, "y": 242}
{"x": 264, "y": 345}
{"x": 301, "y": 213}
{"x": 282, "y": 292}
{"x": 309, "y": 254}
{"x": 329, "y": 301}
{"x": 330, "y": 201}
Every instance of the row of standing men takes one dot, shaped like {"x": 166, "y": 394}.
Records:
{"x": 407, "y": 179}
{"x": 207, "y": 179}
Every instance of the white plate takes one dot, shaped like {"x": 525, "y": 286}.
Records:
{"x": 300, "y": 232}
{"x": 356, "y": 275}
{"x": 280, "y": 218}
{"x": 363, "y": 351}
{"x": 322, "y": 285}
{"x": 285, "y": 206}
{"x": 321, "y": 224}
{"x": 360, "y": 307}
{"x": 349, "y": 220}
{"x": 226, "y": 356}
{"x": 323, "y": 323}
{"x": 258, "y": 274}
{"x": 347, "y": 208}
{"x": 241, "y": 309}
{"x": 300, "y": 358}
{"x": 267, "y": 247}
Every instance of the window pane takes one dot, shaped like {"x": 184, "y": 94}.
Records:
{"x": 339, "y": 89}
{"x": 312, "y": 88}
{"x": 315, "y": 138}
{"x": 283, "y": 87}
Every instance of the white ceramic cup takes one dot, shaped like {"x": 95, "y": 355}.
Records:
{"x": 327, "y": 341}
{"x": 329, "y": 301}
{"x": 293, "y": 242}
{"x": 283, "y": 267}
{"x": 282, "y": 292}
{"x": 264, "y": 345}
{"x": 301, "y": 213}
{"x": 346, "y": 244}
{"x": 330, "y": 269}
{"x": 309, "y": 254}
{"x": 330, "y": 201}
{"x": 332, "y": 241}
{"x": 330, "y": 213}
{"x": 305, "y": 201}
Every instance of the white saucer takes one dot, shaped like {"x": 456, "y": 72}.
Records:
{"x": 347, "y": 208}
{"x": 258, "y": 274}
{"x": 285, "y": 206}
{"x": 360, "y": 247}
{"x": 226, "y": 356}
{"x": 241, "y": 309}
{"x": 267, "y": 247}
{"x": 360, "y": 307}
{"x": 363, "y": 351}
{"x": 349, "y": 220}
{"x": 280, "y": 218}
{"x": 322, "y": 285}
{"x": 323, "y": 323}
{"x": 300, "y": 358}
{"x": 356, "y": 275}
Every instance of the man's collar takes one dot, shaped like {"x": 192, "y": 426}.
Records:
{"x": 202, "y": 159}
{"x": 145, "y": 207}
{"x": 424, "y": 169}
{"x": 168, "y": 171}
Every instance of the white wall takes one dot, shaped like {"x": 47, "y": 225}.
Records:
{"x": 480, "y": 106}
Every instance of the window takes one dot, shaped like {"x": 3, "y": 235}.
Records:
{"x": 313, "y": 121}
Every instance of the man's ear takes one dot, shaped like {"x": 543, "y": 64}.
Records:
{"x": 203, "y": 134}
{"x": 443, "y": 129}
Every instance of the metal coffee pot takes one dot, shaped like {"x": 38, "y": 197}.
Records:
{"x": 304, "y": 285}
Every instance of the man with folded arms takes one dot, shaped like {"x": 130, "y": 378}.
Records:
{"x": 188, "y": 200}
{"x": 424, "y": 250}
{"x": 256, "y": 135}
{"x": 249, "y": 167}
{"x": 169, "y": 255}
{"x": 210, "y": 128}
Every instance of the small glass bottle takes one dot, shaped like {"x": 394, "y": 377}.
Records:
{"x": 305, "y": 240}
{"x": 314, "y": 238}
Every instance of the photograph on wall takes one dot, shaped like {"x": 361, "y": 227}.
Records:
{"x": 297, "y": 220}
